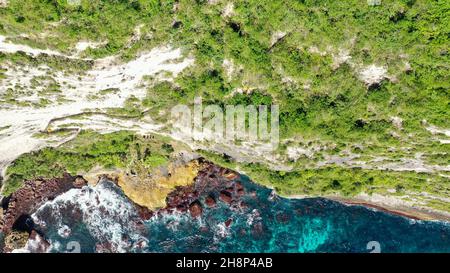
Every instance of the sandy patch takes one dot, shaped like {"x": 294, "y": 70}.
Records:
{"x": 397, "y": 122}
{"x": 372, "y": 75}
{"x": 8, "y": 47}
{"x": 341, "y": 58}
{"x": 294, "y": 153}
{"x": 84, "y": 45}
{"x": 228, "y": 11}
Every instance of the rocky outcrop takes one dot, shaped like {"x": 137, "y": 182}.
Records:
{"x": 210, "y": 201}
{"x": 195, "y": 208}
{"x": 225, "y": 196}
{"x": 212, "y": 183}
{"x": 212, "y": 187}
{"x": 15, "y": 240}
{"x": 143, "y": 212}
{"x": 1, "y": 216}
{"x": 112, "y": 220}
{"x": 151, "y": 191}
{"x": 373, "y": 75}
{"x": 3, "y": 3}
{"x": 22, "y": 203}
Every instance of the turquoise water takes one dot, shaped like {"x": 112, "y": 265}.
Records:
{"x": 266, "y": 224}
{"x": 294, "y": 225}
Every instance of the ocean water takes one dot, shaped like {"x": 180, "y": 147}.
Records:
{"x": 267, "y": 223}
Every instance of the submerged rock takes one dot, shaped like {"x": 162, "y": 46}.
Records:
{"x": 195, "y": 208}
{"x": 228, "y": 222}
{"x": 210, "y": 201}
{"x": 225, "y": 196}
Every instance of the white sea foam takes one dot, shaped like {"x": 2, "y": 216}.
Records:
{"x": 105, "y": 212}
{"x": 64, "y": 231}
{"x": 34, "y": 245}
{"x": 253, "y": 216}
{"x": 220, "y": 232}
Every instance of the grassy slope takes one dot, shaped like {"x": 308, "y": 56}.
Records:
{"x": 389, "y": 35}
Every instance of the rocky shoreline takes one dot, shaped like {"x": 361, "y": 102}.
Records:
{"x": 17, "y": 208}
{"x": 211, "y": 185}
{"x": 214, "y": 182}
{"x": 414, "y": 213}
{"x": 217, "y": 183}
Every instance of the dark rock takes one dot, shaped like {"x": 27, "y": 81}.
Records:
{"x": 240, "y": 192}
{"x": 143, "y": 212}
{"x": 374, "y": 86}
{"x": 195, "y": 208}
{"x": 226, "y": 197}
{"x": 235, "y": 27}
{"x": 212, "y": 182}
{"x": 360, "y": 123}
{"x": 31, "y": 196}
{"x": 177, "y": 24}
{"x": 228, "y": 222}
{"x": 182, "y": 208}
{"x": 210, "y": 201}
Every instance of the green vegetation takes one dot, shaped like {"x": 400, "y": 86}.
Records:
{"x": 336, "y": 180}
{"x": 335, "y": 105}
{"x": 121, "y": 150}
{"x": 54, "y": 62}
{"x": 283, "y": 52}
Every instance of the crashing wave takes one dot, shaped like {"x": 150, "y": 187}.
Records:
{"x": 103, "y": 209}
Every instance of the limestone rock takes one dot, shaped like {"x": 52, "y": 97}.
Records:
{"x": 15, "y": 240}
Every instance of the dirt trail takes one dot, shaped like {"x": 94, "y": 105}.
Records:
{"x": 81, "y": 94}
